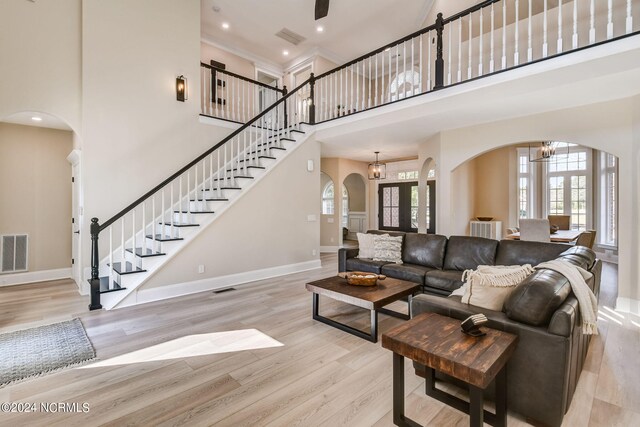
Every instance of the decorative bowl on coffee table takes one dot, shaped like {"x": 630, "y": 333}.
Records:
{"x": 362, "y": 278}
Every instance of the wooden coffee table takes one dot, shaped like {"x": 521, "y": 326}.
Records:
{"x": 372, "y": 298}
{"x": 437, "y": 342}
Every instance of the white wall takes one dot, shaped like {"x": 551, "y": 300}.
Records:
{"x": 135, "y": 133}
{"x": 266, "y": 228}
{"x": 41, "y": 58}
{"x": 611, "y": 126}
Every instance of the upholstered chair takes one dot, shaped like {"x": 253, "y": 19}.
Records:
{"x": 562, "y": 221}
{"x": 587, "y": 239}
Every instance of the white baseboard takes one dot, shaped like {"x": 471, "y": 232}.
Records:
{"x": 35, "y": 276}
{"x": 628, "y": 305}
{"x": 329, "y": 249}
{"x": 171, "y": 291}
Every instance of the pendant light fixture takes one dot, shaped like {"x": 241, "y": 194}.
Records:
{"x": 544, "y": 152}
{"x": 377, "y": 170}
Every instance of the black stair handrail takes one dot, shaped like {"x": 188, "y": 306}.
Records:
{"x": 96, "y": 227}
{"x": 440, "y": 20}
{"x": 238, "y": 76}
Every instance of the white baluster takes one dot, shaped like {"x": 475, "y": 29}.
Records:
{"x": 413, "y": 81}
{"x": 357, "y": 107}
{"x": 133, "y": 237}
{"x": 180, "y": 199}
{"x": 609, "y": 19}
{"x": 351, "y": 103}
{"x": 459, "y": 79}
{"x": 144, "y": 227}
{"x": 420, "y": 67}
{"x": 504, "y": 35}
{"x": 629, "y": 20}
{"x": 545, "y": 26}
{"x": 342, "y": 103}
{"x": 529, "y": 35}
{"x": 559, "y": 44}
{"x": 370, "y": 85}
{"x": 204, "y": 183}
{"x": 389, "y": 74}
{"x": 397, "y": 72}
{"x": 219, "y": 173}
{"x": 574, "y": 38}
{"x": 429, "y": 86}
{"x": 188, "y": 214}
{"x": 382, "y": 79}
{"x": 404, "y": 67}
{"x": 375, "y": 98}
{"x": 111, "y": 257}
{"x": 364, "y": 83}
{"x": 481, "y": 50}
{"x": 516, "y": 53}
{"x": 492, "y": 44}
{"x": 469, "y": 72}
{"x": 449, "y": 54}
{"x": 122, "y": 243}
{"x": 592, "y": 22}
{"x": 162, "y": 218}
{"x": 153, "y": 221}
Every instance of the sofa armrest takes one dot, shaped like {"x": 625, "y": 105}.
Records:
{"x": 564, "y": 319}
{"x": 343, "y": 255}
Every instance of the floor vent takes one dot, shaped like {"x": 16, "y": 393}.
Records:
{"x": 224, "y": 290}
{"x": 13, "y": 253}
{"x": 290, "y": 36}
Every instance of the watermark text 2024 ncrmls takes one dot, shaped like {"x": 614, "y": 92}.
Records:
{"x": 64, "y": 407}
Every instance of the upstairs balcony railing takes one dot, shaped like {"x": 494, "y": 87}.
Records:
{"x": 229, "y": 96}
{"x": 490, "y": 37}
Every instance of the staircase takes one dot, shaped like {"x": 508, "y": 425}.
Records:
{"x": 144, "y": 236}
{"x": 499, "y": 35}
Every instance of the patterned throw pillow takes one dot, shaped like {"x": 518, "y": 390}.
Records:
{"x": 388, "y": 248}
{"x": 365, "y": 245}
{"x": 490, "y": 285}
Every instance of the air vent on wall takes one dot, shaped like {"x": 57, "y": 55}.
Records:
{"x": 13, "y": 257}
{"x": 290, "y": 36}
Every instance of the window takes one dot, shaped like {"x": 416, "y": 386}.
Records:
{"x": 345, "y": 206}
{"x": 525, "y": 185}
{"x": 405, "y": 84}
{"x": 608, "y": 205}
{"x": 328, "y": 203}
{"x": 408, "y": 175}
{"x": 327, "y": 199}
{"x": 568, "y": 184}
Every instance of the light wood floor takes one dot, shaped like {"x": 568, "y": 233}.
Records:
{"x": 169, "y": 363}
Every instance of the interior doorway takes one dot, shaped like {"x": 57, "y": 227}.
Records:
{"x": 431, "y": 206}
{"x": 398, "y": 206}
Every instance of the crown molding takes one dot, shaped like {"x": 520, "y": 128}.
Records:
{"x": 308, "y": 57}
{"x": 256, "y": 60}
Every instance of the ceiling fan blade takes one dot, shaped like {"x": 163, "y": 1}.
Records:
{"x": 322, "y": 8}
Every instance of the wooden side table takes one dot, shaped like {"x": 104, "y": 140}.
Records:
{"x": 438, "y": 343}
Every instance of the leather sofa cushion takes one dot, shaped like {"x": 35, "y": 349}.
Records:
{"x": 364, "y": 264}
{"x": 464, "y": 253}
{"x": 588, "y": 254}
{"x": 411, "y": 272}
{"x": 518, "y": 252}
{"x": 448, "y": 280}
{"x": 424, "y": 249}
{"x": 534, "y": 301}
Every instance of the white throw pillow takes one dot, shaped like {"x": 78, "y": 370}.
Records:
{"x": 388, "y": 248}
{"x": 365, "y": 245}
{"x": 489, "y": 286}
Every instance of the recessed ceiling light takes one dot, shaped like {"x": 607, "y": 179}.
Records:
{"x": 319, "y": 28}
{"x": 285, "y": 52}
{"x": 36, "y": 119}
{"x": 225, "y": 25}
{"x": 387, "y": 49}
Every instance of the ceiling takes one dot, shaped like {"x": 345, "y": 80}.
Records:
{"x": 26, "y": 118}
{"x": 352, "y": 28}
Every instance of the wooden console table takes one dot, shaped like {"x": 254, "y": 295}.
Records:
{"x": 438, "y": 343}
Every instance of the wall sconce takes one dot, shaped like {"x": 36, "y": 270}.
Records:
{"x": 182, "y": 92}
{"x": 377, "y": 170}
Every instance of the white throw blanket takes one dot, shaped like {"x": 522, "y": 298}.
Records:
{"x": 587, "y": 302}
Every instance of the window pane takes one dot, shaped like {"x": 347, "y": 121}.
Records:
{"x": 428, "y": 207}
{"x": 395, "y": 196}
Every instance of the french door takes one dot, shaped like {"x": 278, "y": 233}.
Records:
{"x": 398, "y": 206}
{"x": 431, "y": 207}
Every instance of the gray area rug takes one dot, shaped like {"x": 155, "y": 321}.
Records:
{"x": 37, "y": 351}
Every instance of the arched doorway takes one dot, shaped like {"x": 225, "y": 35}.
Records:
{"x": 354, "y": 212}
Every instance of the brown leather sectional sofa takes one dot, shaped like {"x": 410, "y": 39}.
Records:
{"x": 545, "y": 367}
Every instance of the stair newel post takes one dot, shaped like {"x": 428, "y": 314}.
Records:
{"x": 312, "y": 96}
{"x": 95, "y": 266}
{"x": 286, "y": 118}
{"x": 439, "y": 58}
